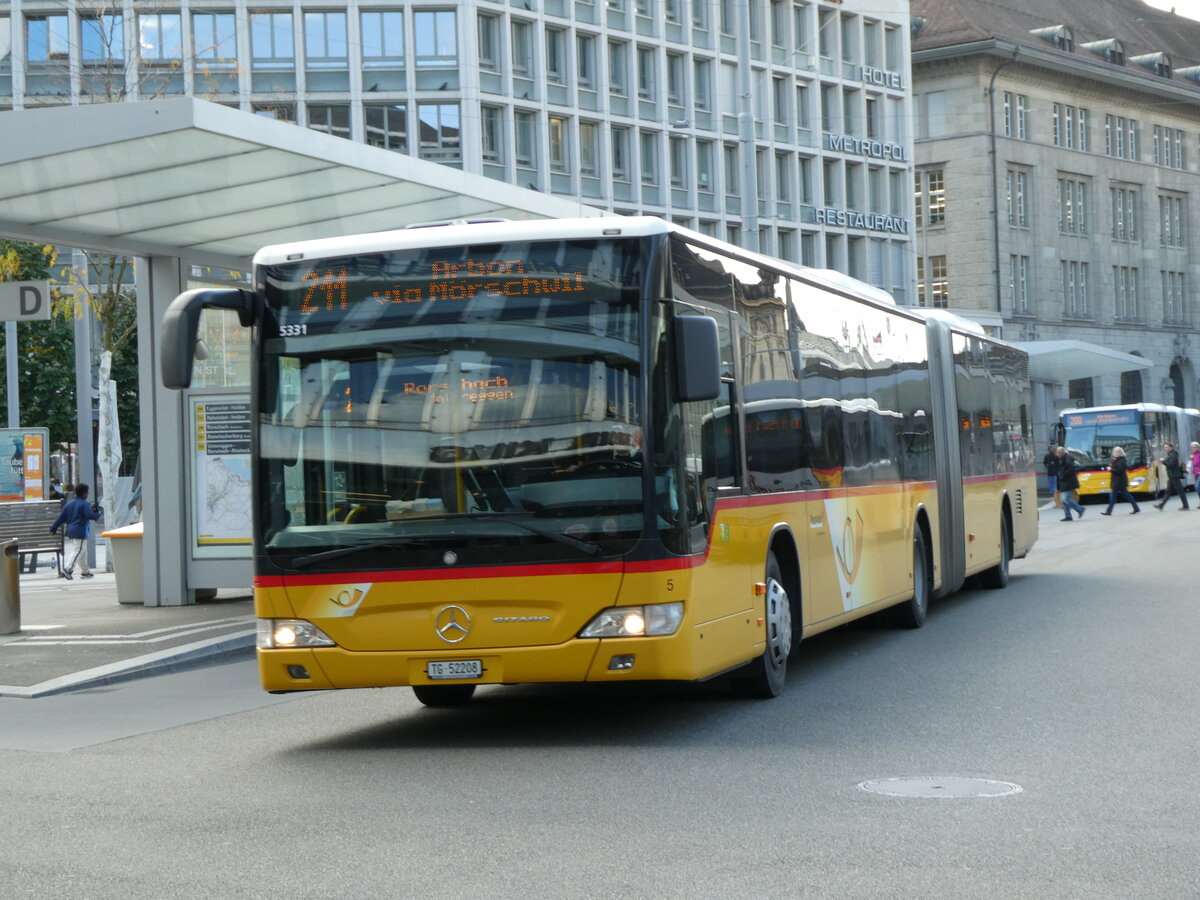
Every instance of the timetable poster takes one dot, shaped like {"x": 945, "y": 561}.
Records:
{"x": 221, "y": 474}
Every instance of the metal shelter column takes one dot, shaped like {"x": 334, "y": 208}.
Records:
{"x": 164, "y": 491}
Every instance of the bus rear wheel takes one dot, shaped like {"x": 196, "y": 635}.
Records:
{"x": 763, "y": 678}
{"x": 443, "y": 694}
{"x": 997, "y": 576}
{"x": 912, "y": 613}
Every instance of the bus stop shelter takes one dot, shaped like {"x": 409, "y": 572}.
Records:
{"x": 185, "y": 182}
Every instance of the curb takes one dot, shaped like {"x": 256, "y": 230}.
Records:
{"x": 173, "y": 659}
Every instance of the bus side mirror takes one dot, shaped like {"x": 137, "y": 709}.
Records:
{"x": 181, "y": 324}
{"x": 697, "y": 358}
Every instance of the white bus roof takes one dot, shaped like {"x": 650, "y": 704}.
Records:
{"x": 492, "y": 232}
{"x": 1143, "y": 407}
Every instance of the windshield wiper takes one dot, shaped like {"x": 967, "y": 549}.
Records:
{"x": 303, "y": 562}
{"x": 591, "y": 548}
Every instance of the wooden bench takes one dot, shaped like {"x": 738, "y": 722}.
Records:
{"x": 29, "y": 522}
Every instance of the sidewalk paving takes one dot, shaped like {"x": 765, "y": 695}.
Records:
{"x": 74, "y": 634}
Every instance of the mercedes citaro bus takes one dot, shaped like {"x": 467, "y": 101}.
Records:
{"x": 602, "y": 450}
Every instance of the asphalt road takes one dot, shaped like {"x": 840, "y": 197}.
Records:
{"x": 1077, "y": 684}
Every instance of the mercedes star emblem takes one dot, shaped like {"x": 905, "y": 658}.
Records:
{"x": 452, "y": 624}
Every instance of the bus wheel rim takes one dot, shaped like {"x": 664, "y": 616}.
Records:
{"x": 779, "y": 623}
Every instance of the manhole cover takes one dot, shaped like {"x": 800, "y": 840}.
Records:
{"x": 932, "y": 786}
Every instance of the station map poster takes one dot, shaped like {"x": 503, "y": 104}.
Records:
{"x": 220, "y": 432}
{"x": 22, "y": 463}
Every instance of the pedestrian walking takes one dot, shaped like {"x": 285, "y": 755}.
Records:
{"x": 1174, "y": 469}
{"x": 1118, "y": 482}
{"x": 1195, "y": 466}
{"x": 1050, "y": 462}
{"x": 77, "y": 515}
{"x": 1068, "y": 481}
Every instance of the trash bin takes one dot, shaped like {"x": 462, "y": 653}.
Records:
{"x": 126, "y": 544}
{"x": 10, "y": 588}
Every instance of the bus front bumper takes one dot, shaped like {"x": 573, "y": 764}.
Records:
{"x": 579, "y": 660}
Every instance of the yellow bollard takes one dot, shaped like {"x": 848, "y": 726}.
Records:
{"x": 10, "y": 588}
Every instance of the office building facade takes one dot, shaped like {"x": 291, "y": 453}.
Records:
{"x": 1057, "y": 180}
{"x": 782, "y": 126}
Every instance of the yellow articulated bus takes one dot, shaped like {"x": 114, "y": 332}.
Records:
{"x": 602, "y": 450}
{"x": 1141, "y": 429}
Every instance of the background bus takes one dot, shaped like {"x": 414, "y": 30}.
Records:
{"x": 1141, "y": 428}
{"x": 602, "y": 450}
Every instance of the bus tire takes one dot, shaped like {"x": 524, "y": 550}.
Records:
{"x": 911, "y": 613}
{"x": 443, "y": 694}
{"x": 997, "y": 576}
{"x": 763, "y": 677}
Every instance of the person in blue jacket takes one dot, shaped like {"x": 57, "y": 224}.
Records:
{"x": 77, "y": 515}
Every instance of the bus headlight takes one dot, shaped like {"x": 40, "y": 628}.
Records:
{"x": 282, "y": 633}
{"x": 1137, "y": 482}
{"x": 635, "y": 621}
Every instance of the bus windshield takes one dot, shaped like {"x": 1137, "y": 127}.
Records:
{"x": 484, "y": 397}
{"x": 1091, "y": 444}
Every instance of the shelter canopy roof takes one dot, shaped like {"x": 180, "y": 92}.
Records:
{"x": 189, "y": 178}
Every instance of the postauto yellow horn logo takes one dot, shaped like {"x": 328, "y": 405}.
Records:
{"x": 852, "y": 541}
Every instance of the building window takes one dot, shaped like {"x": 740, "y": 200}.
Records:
{"x": 492, "y": 134}
{"x": 280, "y": 112}
{"x": 645, "y": 73}
{"x": 1017, "y": 205}
{"x": 1072, "y": 206}
{"x": 525, "y": 138}
{"x": 783, "y": 178}
{"x": 1069, "y": 127}
{"x": 387, "y": 125}
{"x": 103, "y": 38}
{"x": 1075, "y": 288}
{"x": 556, "y": 55}
{"x": 556, "y": 132}
{"x": 1168, "y": 147}
{"x": 331, "y": 118}
{"x": 325, "y": 40}
{"x": 702, "y": 84}
{"x": 160, "y": 38}
{"x": 47, "y": 38}
{"x": 620, "y": 153}
{"x": 1015, "y": 106}
{"x": 704, "y": 166}
{"x": 675, "y": 85}
{"x": 435, "y": 38}
{"x": 487, "y": 39}
{"x": 930, "y": 197}
{"x": 678, "y": 149}
{"x": 932, "y": 283}
{"x": 1018, "y": 283}
{"x": 214, "y": 37}
{"x": 730, "y": 164}
{"x": 589, "y": 140}
{"x": 271, "y": 44}
{"x": 648, "y": 147}
{"x": 1120, "y": 137}
{"x": 939, "y": 285}
{"x": 585, "y": 60}
{"x": 1175, "y": 308}
{"x": 521, "y": 48}
{"x": 1125, "y": 291}
{"x": 1123, "y": 209}
{"x": 439, "y": 138}
{"x": 382, "y": 39}
{"x": 1170, "y": 215}
{"x": 618, "y": 62}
